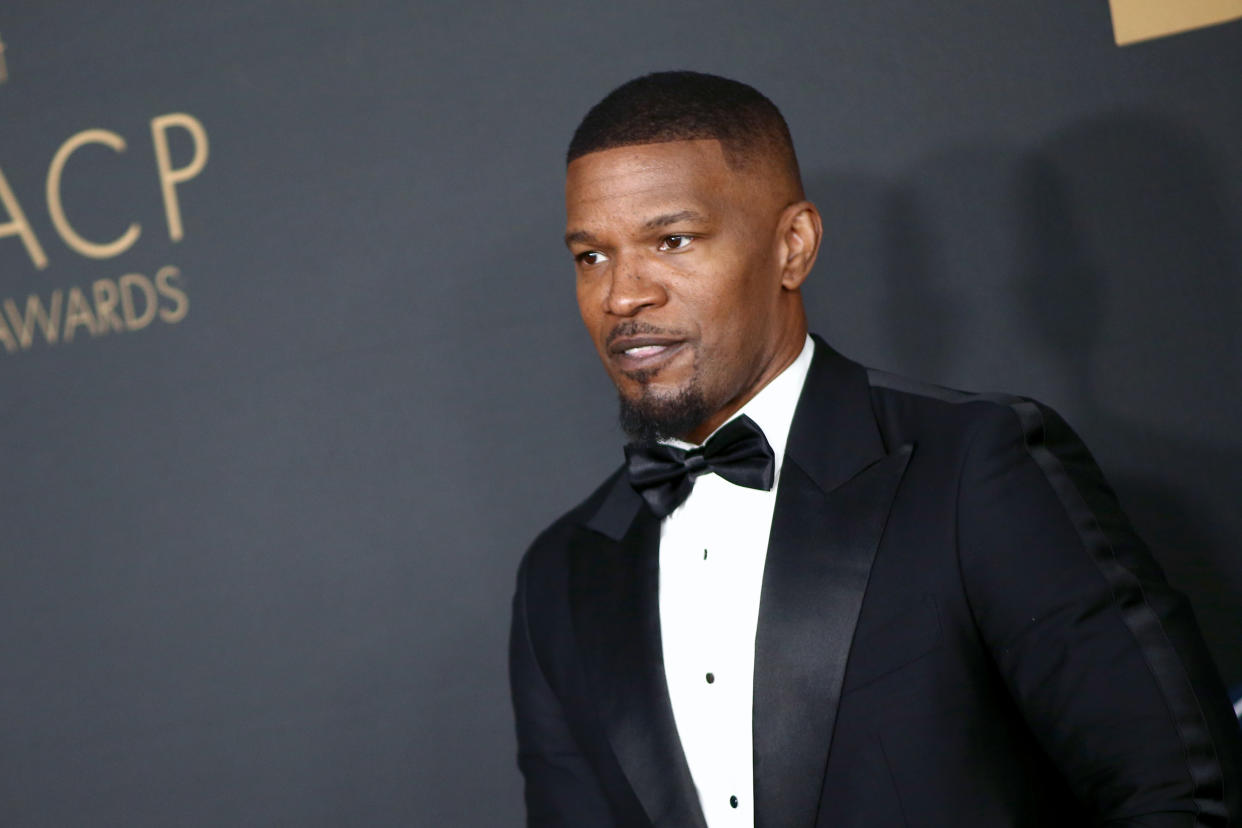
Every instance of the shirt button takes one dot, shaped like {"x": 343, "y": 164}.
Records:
{"x": 733, "y": 801}
{"x": 711, "y": 677}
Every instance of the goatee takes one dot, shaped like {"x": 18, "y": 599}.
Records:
{"x": 650, "y": 418}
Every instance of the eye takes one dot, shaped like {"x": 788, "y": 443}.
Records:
{"x": 675, "y": 242}
{"x": 590, "y": 257}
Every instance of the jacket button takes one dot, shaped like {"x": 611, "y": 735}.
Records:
{"x": 733, "y": 801}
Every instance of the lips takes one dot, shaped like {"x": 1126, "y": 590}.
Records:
{"x": 643, "y": 353}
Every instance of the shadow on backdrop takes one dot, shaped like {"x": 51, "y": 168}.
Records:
{"x": 1095, "y": 272}
{"x": 1132, "y": 282}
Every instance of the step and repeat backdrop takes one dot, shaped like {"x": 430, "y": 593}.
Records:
{"x": 285, "y": 325}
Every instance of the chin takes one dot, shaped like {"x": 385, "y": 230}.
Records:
{"x": 657, "y": 392}
{"x": 663, "y": 411}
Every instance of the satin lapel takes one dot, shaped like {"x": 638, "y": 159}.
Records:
{"x": 819, "y": 560}
{"x": 614, "y": 583}
{"x": 835, "y": 491}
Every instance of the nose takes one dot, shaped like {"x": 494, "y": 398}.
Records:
{"x": 631, "y": 288}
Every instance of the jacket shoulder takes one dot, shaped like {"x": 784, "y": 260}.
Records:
{"x": 909, "y": 410}
{"x": 552, "y": 543}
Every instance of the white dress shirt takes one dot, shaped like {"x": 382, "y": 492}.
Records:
{"x": 712, "y": 552}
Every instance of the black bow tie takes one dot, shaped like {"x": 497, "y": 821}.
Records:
{"x": 664, "y": 475}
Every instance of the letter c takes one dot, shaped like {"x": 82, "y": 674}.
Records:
{"x": 56, "y": 209}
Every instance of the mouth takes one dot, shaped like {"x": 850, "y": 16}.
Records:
{"x": 643, "y": 354}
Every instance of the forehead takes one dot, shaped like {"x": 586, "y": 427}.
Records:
{"x": 633, "y": 182}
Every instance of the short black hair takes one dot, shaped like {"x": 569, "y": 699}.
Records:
{"x": 687, "y": 106}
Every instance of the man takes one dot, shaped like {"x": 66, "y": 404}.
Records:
{"x": 819, "y": 595}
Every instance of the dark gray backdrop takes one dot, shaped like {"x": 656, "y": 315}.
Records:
{"x": 255, "y": 565}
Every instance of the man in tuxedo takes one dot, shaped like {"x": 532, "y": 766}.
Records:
{"x": 817, "y": 594}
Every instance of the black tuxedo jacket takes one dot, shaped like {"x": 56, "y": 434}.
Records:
{"x": 957, "y": 628}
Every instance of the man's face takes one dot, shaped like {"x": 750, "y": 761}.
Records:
{"x": 680, "y": 260}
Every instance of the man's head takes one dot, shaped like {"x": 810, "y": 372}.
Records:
{"x": 691, "y": 238}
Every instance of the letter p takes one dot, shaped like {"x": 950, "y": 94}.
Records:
{"x": 170, "y": 177}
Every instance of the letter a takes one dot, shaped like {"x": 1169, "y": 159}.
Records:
{"x": 18, "y": 226}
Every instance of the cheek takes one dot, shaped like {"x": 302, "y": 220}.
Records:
{"x": 587, "y": 306}
{"x": 594, "y": 321}
{"x": 734, "y": 322}
{"x": 727, "y": 307}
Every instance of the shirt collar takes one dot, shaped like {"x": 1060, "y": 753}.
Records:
{"x": 772, "y": 408}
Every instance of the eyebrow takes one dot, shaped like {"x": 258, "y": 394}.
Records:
{"x": 672, "y": 218}
{"x": 653, "y": 223}
{"x": 579, "y": 236}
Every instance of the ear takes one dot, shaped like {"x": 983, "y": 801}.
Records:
{"x": 801, "y": 232}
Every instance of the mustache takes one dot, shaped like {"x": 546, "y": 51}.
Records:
{"x": 635, "y": 328}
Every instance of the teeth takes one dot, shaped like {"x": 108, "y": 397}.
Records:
{"x": 644, "y": 350}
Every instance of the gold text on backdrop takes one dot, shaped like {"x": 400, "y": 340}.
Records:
{"x": 107, "y": 305}
{"x": 169, "y": 177}
{"x": 129, "y": 303}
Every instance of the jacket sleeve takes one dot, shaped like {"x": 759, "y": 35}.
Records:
{"x": 1102, "y": 656}
{"x": 561, "y": 787}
